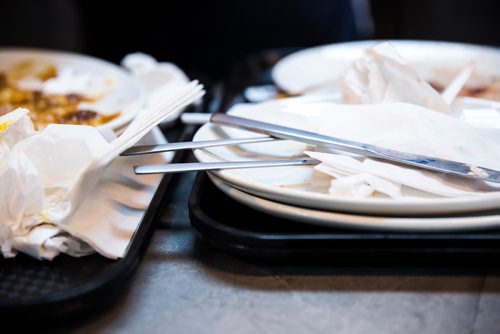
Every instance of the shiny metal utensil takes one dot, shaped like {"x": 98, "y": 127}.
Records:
{"x": 147, "y": 149}
{"x": 199, "y": 166}
{"x": 327, "y": 96}
{"x": 368, "y": 150}
{"x": 196, "y": 118}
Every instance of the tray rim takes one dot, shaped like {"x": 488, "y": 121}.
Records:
{"x": 288, "y": 247}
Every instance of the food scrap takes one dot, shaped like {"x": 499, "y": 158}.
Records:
{"x": 46, "y": 108}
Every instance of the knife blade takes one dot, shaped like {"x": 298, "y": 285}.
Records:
{"x": 373, "y": 151}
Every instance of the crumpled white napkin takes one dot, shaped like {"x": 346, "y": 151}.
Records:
{"x": 398, "y": 126}
{"x": 110, "y": 215}
{"x": 383, "y": 76}
{"x": 39, "y": 170}
{"x": 159, "y": 79}
{"x": 389, "y": 106}
{"x": 420, "y": 125}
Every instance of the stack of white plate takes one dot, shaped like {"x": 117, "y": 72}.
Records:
{"x": 300, "y": 193}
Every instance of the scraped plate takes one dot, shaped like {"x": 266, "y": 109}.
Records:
{"x": 304, "y": 187}
{"x": 317, "y": 68}
{"x": 455, "y": 223}
{"x": 123, "y": 93}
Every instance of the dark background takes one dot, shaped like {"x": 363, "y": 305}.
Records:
{"x": 210, "y": 36}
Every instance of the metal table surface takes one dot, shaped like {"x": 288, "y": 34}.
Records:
{"x": 182, "y": 286}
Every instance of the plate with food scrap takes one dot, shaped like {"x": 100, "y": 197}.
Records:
{"x": 67, "y": 88}
{"x": 305, "y": 186}
{"x": 317, "y": 69}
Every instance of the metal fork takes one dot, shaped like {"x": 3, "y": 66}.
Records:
{"x": 200, "y": 166}
{"x": 148, "y": 149}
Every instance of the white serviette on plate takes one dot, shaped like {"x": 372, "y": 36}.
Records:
{"x": 39, "y": 170}
{"x": 396, "y": 109}
{"x": 399, "y": 126}
{"x": 383, "y": 76}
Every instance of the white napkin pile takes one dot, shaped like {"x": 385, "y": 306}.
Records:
{"x": 398, "y": 110}
{"x": 159, "y": 79}
{"x": 405, "y": 127}
{"x": 383, "y": 76}
{"x": 39, "y": 170}
{"x": 42, "y": 214}
{"x": 385, "y": 103}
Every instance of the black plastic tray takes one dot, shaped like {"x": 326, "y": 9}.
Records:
{"x": 44, "y": 292}
{"x": 235, "y": 228}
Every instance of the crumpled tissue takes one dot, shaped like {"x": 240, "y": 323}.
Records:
{"x": 383, "y": 76}
{"x": 159, "y": 79}
{"x": 49, "y": 202}
{"x": 39, "y": 171}
{"x": 395, "y": 108}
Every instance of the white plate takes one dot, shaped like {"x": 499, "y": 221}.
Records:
{"x": 303, "y": 186}
{"x": 125, "y": 96}
{"x": 352, "y": 221}
{"x": 319, "y": 67}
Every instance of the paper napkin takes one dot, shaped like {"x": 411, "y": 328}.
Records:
{"x": 383, "y": 76}
{"x": 39, "y": 172}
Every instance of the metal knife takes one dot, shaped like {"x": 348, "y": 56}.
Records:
{"x": 368, "y": 150}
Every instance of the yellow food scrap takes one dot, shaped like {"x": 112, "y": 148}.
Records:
{"x": 5, "y": 125}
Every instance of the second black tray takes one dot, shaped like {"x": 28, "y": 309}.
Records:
{"x": 230, "y": 226}
{"x": 235, "y": 228}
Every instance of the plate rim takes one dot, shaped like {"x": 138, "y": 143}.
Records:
{"x": 371, "y": 205}
{"x": 399, "y": 207}
{"x": 356, "y": 221}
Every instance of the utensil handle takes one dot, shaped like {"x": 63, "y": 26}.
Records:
{"x": 196, "y": 118}
{"x": 283, "y": 132}
{"x": 457, "y": 168}
{"x": 201, "y": 166}
{"x": 148, "y": 149}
